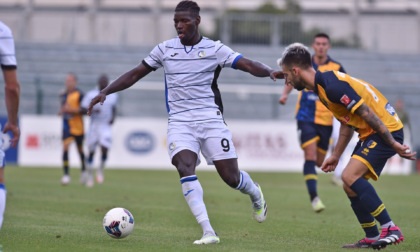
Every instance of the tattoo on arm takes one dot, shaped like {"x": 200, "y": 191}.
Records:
{"x": 375, "y": 123}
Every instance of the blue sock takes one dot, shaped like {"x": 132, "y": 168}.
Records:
{"x": 365, "y": 219}
{"x": 310, "y": 178}
{"x": 2, "y": 202}
{"x": 370, "y": 200}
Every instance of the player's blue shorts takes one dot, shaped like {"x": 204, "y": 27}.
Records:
{"x": 309, "y": 132}
{"x": 374, "y": 152}
{"x": 68, "y": 138}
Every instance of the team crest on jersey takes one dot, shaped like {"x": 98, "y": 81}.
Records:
{"x": 201, "y": 54}
{"x": 371, "y": 144}
{"x": 172, "y": 146}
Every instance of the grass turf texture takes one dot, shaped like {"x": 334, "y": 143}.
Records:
{"x": 42, "y": 215}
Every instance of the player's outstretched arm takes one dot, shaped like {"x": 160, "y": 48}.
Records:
{"x": 123, "y": 82}
{"x": 12, "y": 97}
{"x": 257, "y": 68}
{"x": 377, "y": 125}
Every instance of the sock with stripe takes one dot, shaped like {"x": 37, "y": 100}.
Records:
{"x": 2, "y": 202}
{"x": 370, "y": 200}
{"x": 193, "y": 194}
{"x": 247, "y": 186}
{"x": 365, "y": 219}
{"x": 66, "y": 162}
{"x": 311, "y": 178}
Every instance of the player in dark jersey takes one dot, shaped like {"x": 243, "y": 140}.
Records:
{"x": 314, "y": 120}
{"x": 362, "y": 108}
{"x": 72, "y": 125}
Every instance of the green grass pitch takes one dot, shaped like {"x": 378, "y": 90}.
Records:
{"x": 42, "y": 215}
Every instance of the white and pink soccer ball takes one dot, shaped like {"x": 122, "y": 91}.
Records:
{"x": 118, "y": 223}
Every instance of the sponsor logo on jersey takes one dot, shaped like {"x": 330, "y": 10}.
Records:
{"x": 345, "y": 119}
{"x": 345, "y": 100}
{"x": 390, "y": 109}
{"x": 140, "y": 142}
{"x": 312, "y": 97}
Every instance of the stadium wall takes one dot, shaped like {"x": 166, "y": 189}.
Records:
{"x": 140, "y": 143}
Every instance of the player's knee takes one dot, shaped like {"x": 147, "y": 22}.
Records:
{"x": 349, "y": 191}
{"x": 231, "y": 180}
{"x": 184, "y": 167}
{"x": 347, "y": 178}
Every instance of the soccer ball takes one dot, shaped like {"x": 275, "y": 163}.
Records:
{"x": 118, "y": 222}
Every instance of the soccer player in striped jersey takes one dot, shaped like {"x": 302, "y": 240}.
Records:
{"x": 314, "y": 120}
{"x": 73, "y": 129}
{"x": 192, "y": 64}
{"x": 100, "y": 131}
{"x": 362, "y": 108}
{"x": 12, "y": 96}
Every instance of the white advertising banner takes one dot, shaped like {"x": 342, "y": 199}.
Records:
{"x": 140, "y": 143}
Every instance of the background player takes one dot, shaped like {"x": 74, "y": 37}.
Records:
{"x": 314, "y": 120}
{"x": 72, "y": 126}
{"x": 100, "y": 131}
{"x": 12, "y": 97}
{"x": 361, "y": 107}
{"x": 192, "y": 64}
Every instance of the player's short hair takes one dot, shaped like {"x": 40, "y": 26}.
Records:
{"x": 73, "y": 74}
{"x": 188, "y": 5}
{"x": 322, "y": 35}
{"x": 296, "y": 54}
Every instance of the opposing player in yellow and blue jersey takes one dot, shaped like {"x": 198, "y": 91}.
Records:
{"x": 72, "y": 125}
{"x": 362, "y": 108}
{"x": 314, "y": 120}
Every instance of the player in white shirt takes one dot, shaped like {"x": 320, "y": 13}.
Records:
{"x": 100, "y": 128}
{"x": 12, "y": 95}
{"x": 192, "y": 64}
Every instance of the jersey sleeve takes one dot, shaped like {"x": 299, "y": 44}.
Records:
{"x": 86, "y": 100}
{"x": 155, "y": 58}
{"x": 341, "y": 92}
{"x": 7, "y": 48}
{"x": 226, "y": 57}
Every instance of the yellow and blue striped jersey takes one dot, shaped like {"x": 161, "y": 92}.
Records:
{"x": 308, "y": 107}
{"x": 343, "y": 94}
{"x": 73, "y": 123}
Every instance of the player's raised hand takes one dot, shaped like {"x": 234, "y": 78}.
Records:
{"x": 100, "y": 98}
{"x": 15, "y": 131}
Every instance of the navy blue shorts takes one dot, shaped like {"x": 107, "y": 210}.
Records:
{"x": 68, "y": 138}
{"x": 374, "y": 152}
{"x": 309, "y": 132}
